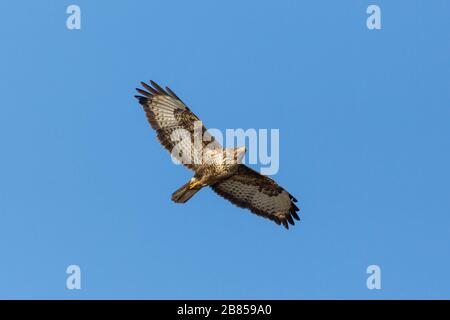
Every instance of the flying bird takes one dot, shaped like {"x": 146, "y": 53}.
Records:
{"x": 213, "y": 165}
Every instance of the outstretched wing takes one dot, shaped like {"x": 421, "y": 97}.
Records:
{"x": 263, "y": 196}
{"x": 172, "y": 120}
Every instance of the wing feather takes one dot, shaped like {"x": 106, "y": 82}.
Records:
{"x": 169, "y": 116}
{"x": 260, "y": 194}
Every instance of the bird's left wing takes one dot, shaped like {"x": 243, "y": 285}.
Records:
{"x": 173, "y": 120}
{"x": 263, "y": 196}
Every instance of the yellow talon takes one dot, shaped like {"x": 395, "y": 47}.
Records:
{"x": 193, "y": 185}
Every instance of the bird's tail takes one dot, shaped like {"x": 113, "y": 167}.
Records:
{"x": 186, "y": 192}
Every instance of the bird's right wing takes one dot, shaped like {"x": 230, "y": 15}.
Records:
{"x": 176, "y": 125}
{"x": 263, "y": 196}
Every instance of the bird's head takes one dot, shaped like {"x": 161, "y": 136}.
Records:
{"x": 239, "y": 154}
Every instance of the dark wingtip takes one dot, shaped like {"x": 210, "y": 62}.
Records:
{"x": 150, "y": 89}
{"x": 292, "y": 198}
{"x": 295, "y": 215}
{"x": 173, "y": 94}
{"x": 158, "y": 87}
{"x": 291, "y": 221}
{"x": 142, "y": 100}
{"x": 144, "y": 93}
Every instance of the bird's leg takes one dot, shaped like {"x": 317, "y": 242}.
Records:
{"x": 193, "y": 184}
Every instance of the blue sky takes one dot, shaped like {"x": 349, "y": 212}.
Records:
{"x": 364, "y": 145}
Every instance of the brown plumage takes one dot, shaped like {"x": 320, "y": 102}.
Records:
{"x": 213, "y": 165}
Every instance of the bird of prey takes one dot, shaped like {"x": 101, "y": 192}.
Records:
{"x": 213, "y": 165}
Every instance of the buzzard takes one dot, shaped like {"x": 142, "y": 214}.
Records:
{"x": 213, "y": 165}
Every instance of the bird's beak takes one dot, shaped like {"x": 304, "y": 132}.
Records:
{"x": 241, "y": 150}
{"x": 240, "y": 153}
